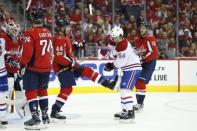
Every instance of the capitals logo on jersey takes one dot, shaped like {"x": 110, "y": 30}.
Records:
{"x": 141, "y": 50}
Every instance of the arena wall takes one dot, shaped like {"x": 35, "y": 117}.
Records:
{"x": 177, "y": 75}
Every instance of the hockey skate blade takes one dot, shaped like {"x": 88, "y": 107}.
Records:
{"x": 128, "y": 121}
{"x": 139, "y": 110}
{"x": 116, "y": 118}
{"x": 37, "y": 127}
{"x": 2, "y": 127}
{"x": 54, "y": 120}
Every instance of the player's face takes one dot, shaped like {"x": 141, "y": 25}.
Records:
{"x": 143, "y": 30}
{"x": 68, "y": 31}
{"x": 61, "y": 31}
{"x": 14, "y": 32}
{"x": 115, "y": 39}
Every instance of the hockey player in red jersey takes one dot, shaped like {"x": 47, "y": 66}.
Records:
{"x": 13, "y": 52}
{"x": 146, "y": 46}
{"x": 13, "y": 46}
{"x": 67, "y": 68}
{"x": 36, "y": 58}
{"x": 128, "y": 60}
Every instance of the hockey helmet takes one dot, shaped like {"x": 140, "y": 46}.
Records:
{"x": 61, "y": 26}
{"x": 144, "y": 22}
{"x": 37, "y": 16}
{"x": 61, "y": 23}
{"x": 116, "y": 31}
{"x": 12, "y": 29}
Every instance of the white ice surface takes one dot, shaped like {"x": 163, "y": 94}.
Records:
{"x": 94, "y": 112}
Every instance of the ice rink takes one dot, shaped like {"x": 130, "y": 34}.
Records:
{"x": 94, "y": 112}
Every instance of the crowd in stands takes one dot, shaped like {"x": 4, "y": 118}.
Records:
{"x": 98, "y": 21}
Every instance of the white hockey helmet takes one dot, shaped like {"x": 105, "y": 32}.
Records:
{"x": 12, "y": 28}
{"x": 116, "y": 31}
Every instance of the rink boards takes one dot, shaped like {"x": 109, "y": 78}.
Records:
{"x": 169, "y": 76}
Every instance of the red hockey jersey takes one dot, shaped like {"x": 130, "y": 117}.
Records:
{"x": 37, "y": 49}
{"x": 13, "y": 53}
{"x": 147, "y": 48}
{"x": 62, "y": 52}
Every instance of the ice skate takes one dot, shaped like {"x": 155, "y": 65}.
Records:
{"x": 56, "y": 117}
{"x": 138, "y": 107}
{"x": 45, "y": 117}
{"x": 3, "y": 123}
{"x": 127, "y": 117}
{"x": 34, "y": 123}
{"x": 119, "y": 114}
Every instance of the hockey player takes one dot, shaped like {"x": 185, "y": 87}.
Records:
{"x": 67, "y": 68}
{"x": 36, "y": 58}
{"x": 13, "y": 53}
{"x": 146, "y": 46}
{"x": 3, "y": 84}
{"x": 127, "y": 60}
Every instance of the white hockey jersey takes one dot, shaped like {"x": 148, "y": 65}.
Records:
{"x": 3, "y": 71}
{"x": 126, "y": 56}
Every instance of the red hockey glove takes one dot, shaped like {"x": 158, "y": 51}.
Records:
{"x": 104, "y": 51}
{"x": 109, "y": 66}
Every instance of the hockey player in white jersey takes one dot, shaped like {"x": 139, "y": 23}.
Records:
{"x": 3, "y": 84}
{"x": 126, "y": 59}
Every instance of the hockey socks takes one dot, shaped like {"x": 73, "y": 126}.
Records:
{"x": 31, "y": 96}
{"x": 140, "y": 91}
{"x": 89, "y": 73}
{"x": 43, "y": 103}
{"x": 61, "y": 99}
{"x": 43, "y": 99}
{"x": 140, "y": 98}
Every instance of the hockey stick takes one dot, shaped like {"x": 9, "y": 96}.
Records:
{"x": 28, "y": 5}
{"x": 12, "y": 105}
{"x": 117, "y": 86}
{"x": 66, "y": 68}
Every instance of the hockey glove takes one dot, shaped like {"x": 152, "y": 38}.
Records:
{"x": 82, "y": 44}
{"x": 79, "y": 45}
{"x": 104, "y": 51}
{"x": 11, "y": 61}
{"x": 77, "y": 68}
{"x": 109, "y": 66}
